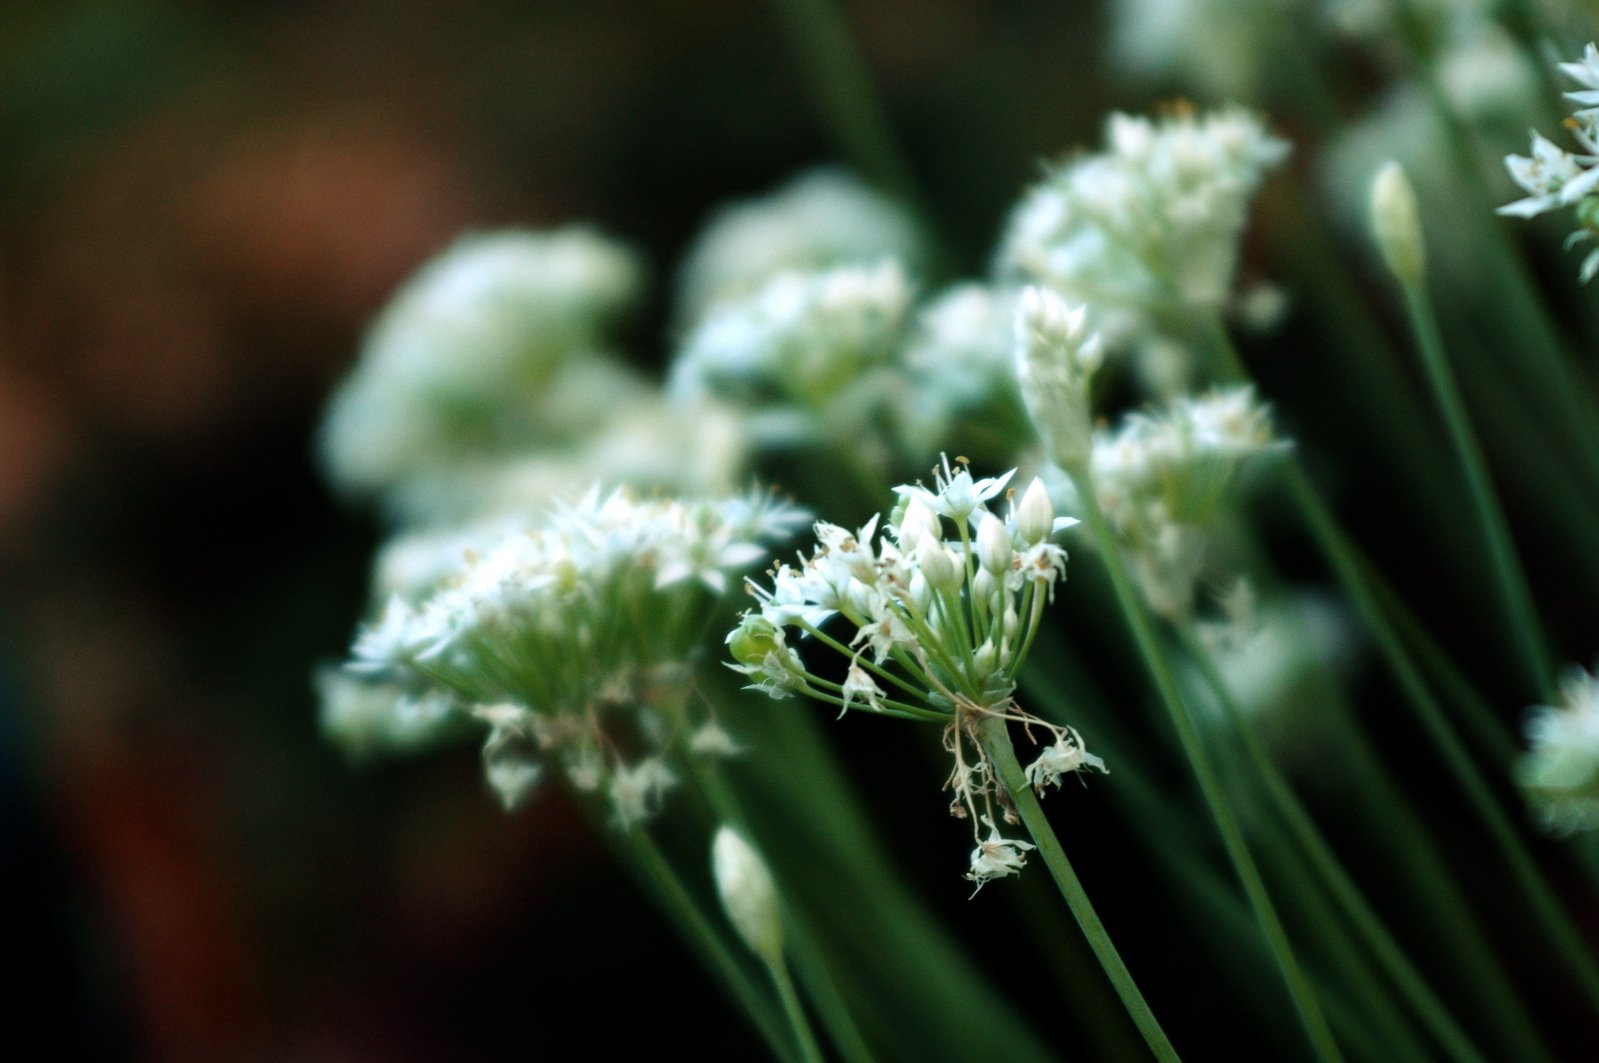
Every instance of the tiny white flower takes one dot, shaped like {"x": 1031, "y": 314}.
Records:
{"x": 994, "y": 548}
{"x": 1584, "y": 72}
{"x": 996, "y": 857}
{"x": 711, "y": 739}
{"x": 860, "y": 686}
{"x": 1065, "y": 756}
{"x": 637, "y": 791}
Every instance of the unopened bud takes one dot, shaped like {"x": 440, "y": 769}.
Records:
{"x": 749, "y": 896}
{"x": 1396, "y": 224}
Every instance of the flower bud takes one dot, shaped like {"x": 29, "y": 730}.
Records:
{"x": 754, "y": 639}
{"x": 1055, "y": 358}
{"x": 1035, "y": 514}
{"x": 994, "y": 550}
{"x": 1396, "y": 224}
{"x": 917, "y": 521}
{"x": 749, "y": 896}
{"x": 942, "y": 570}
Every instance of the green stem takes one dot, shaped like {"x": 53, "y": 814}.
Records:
{"x": 803, "y": 942}
{"x": 652, "y": 867}
{"x": 1556, "y": 924}
{"x": 996, "y": 741}
{"x": 1345, "y": 893}
{"x": 1540, "y": 346}
{"x": 809, "y": 1051}
{"x": 1204, "y": 772}
{"x": 1336, "y": 546}
{"x": 1527, "y": 630}
{"x": 850, "y": 105}
{"x": 1486, "y": 728}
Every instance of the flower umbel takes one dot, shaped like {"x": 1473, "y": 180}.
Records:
{"x": 944, "y": 600}
{"x": 547, "y": 632}
{"x": 1553, "y": 177}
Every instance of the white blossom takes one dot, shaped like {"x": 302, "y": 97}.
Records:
{"x": 996, "y": 857}
{"x": 637, "y": 791}
{"x": 1151, "y": 223}
{"x": 468, "y": 356}
{"x": 820, "y": 220}
{"x": 1560, "y": 771}
{"x": 944, "y": 599}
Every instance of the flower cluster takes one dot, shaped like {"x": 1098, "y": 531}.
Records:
{"x": 1560, "y": 773}
{"x": 960, "y": 375}
{"x": 804, "y": 346}
{"x": 1150, "y": 224}
{"x": 818, "y": 221}
{"x": 944, "y": 602}
{"x": 1553, "y": 177}
{"x": 1160, "y": 478}
{"x": 476, "y": 353}
{"x": 1056, "y": 358}
{"x": 602, "y": 604}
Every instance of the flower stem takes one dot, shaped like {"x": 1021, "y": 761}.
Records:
{"x": 1345, "y": 893}
{"x": 848, "y": 101}
{"x": 809, "y": 1051}
{"x": 1556, "y": 924}
{"x": 658, "y": 877}
{"x": 835, "y": 1014}
{"x": 1341, "y": 554}
{"x": 996, "y": 740}
{"x": 1526, "y": 629}
{"x": 1232, "y": 835}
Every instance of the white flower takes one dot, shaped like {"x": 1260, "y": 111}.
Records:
{"x": 996, "y": 857}
{"x": 1056, "y": 357}
{"x": 472, "y": 344}
{"x": 1067, "y": 755}
{"x": 1584, "y": 72}
{"x": 805, "y": 342}
{"x": 637, "y": 791}
{"x": 1552, "y": 176}
{"x": 1560, "y": 772}
{"x": 859, "y": 685}
{"x": 711, "y": 739}
{"x": 1152, "y": 221}
{"x": 957, "y": 495}
{"x": 819, "y": 220}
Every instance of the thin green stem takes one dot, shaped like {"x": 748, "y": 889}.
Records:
{"x": 849, "y": 103}
{"x": 803, "y": 943}
{"x": 997, "y": 743}
{"x": 1487, "y": 729}
{"x": 1526, "y": 629}
{"x": 657, "y": 874}
{"x": 1556, "y": 924}
{"x": 798, "y": 1023}
{"x": 1339, "y": 551}
{"x": 1244, "y": 866}
{"x": 1345, "y": 893}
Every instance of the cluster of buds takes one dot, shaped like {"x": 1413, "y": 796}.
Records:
{"x": 1149, "y": 225}
{"x": 806, "y": 352}
{"x": 1160, "y": 479}
{"x": 944, "y": 602}
{"x": 1554, "y": 178}
{"x": 544, "y": 632}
